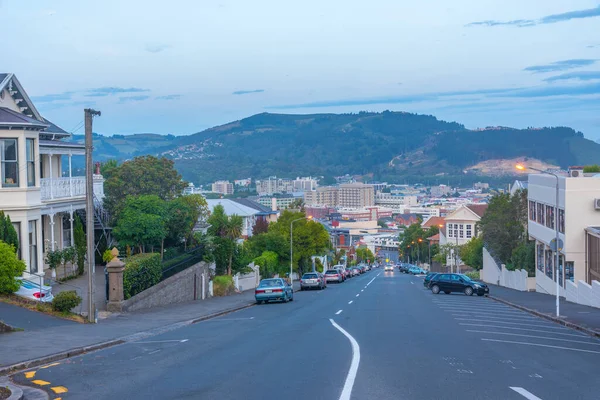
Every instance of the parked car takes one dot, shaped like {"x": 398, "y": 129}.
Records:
{"x": 388, "y": 267}
{"x": 32, "y": 291}
{"x": 404, "y": 268}
{"x": 362, "y": 269}
{"x": 342, "y": 272}
{"x": 333, "y": 275}
{"x": 312, "y": 280}
{"x": 416, "y": 270}
{"x": 428, "y": 278}
{"x": 273, "y": 289}
{"x": 457, "y": 283}
{"x": 355, "y": 271}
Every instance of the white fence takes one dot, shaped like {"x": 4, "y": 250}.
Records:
{"x": 247, "y": 281}
{"x": 60, "y": 188}
{"x": 499, "y": 275}
{"x": 583, "y": 293}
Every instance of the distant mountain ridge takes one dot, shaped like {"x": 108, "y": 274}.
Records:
{"x": 386, "y": 146}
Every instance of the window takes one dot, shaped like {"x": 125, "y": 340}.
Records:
{"x": 10, "y": 165}
{"x": 532, "y": 211}
{"x": 66, "y": 228}
{"x": 569, "y": 271}
{"x": 540, "y": 257}
{"x": 550, "y": 217}
{"x": 549, "y": 263}
{"x": 540, "y": 213}
{"x": 469, "y": 231}
{"x": 30, "y": 162}
{"x": 450, "y": 230}
{"x": 461, "y": 233}
{"x": 561, "y": 220}
{"x": 33, "y": 260}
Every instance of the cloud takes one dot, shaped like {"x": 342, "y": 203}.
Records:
{"x": 240, "y": 92}
{"x": 128, "y": 99}
{"x": 560, "y": 65}
{"x": 523, "y": 92}
{"x": 169, "y": 97}
{"x": 549, "y": 19}
{"x": 107, "y": 91}
{"x": 591, "y": 46}
{"x": 50, "y": 98}
{"x": 157, "y": 48}
{"x": 580, "y": 75}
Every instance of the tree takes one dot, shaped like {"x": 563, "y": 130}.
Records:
{"x": 268, "y": 262}
{"x": 472, "y": 253}
{"x": 226, "y": 230}
{"x": 8, "y": 234}
{"x": 147, "y": 175}
{"x": 233, "y": 231}
{"x": 591, "y": 169}
{"x": 142, "y": 222}
{"x": 108, "y": 168}
{"x": 80, "y": 241}
{"x": 182, "y": 214}
{"x": 260, "y": 226}
{"x": 10, "y": 268}
{"x": 413, "y": 243}
{"x": 363, "y": 254}
{"x": 381, "y": 223}
{"x": 297, "y": 204}
{"x": 270, "y": 241}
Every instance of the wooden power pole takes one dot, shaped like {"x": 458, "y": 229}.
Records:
{"x": 89, "y": 209}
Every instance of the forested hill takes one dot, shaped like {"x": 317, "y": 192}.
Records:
{"x": 386, "y": 145}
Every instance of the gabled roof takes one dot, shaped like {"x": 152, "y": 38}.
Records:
{"x": 53, "y": 128}
{"x": 11, "y": 82}
{"x": 231, "y": 207}
{"x": 253, "y": 204}
{"x": 478, "y": 209}
{"x": 434, "y": 237}
{"x": 10, "y": 117}
{"x": 433, "y": 221}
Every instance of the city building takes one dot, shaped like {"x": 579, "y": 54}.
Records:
{"x": 395, "y": 202}
{"x": 518, "y": 185}
{"x": 322, "y": 196}
{"x": 222, "y": 187}
{"x": 279, "y": 202}
{"x": 406, "y": 219}
{"x": 578, "y": 211}
{"x": 304, "y": 184}
{"x": 40, "y": 201}
{"x": 272, "y": 185}
{"x": 433, "y": 221}
{"x": 356, "y": 195}
{"x": 243, "y": 182}
{"x": 318, "y": 212}
{"x": 424, "y": 212}
{"x": 460, "y": 227}
{"x": 232, "y": 207}
{"x": 441, "y": 190}
{"x": 481, "y": 185}
{"x": 366, "y": 214}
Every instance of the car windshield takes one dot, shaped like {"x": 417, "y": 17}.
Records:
{"x": 270, "y": 283}
{"x": 465, "y": 277}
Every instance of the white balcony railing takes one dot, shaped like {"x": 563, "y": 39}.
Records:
{"x": 62, "y": 188}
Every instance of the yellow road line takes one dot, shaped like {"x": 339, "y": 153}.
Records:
{"x": 30, "y": 374}
{"x": 40, "y": 382}
{"x": 50, "y": 365}
{"x": 59, "y": 389}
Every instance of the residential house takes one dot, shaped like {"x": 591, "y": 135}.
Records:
{"x": 406, "y": 219}
{"x": 39, "y": 196}
{"x": 231, "y": 207}
{"x": 263, "y": 212}
{"x": 459, "y": 228}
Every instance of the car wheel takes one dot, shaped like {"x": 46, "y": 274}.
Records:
{"x": 258, "y": 301}
{"x": 469, "y": 291}
{"x": 447, "y": 291}
{"x": 435, "y": 289}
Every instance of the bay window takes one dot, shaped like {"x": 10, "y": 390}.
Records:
{"x": 9, "y": 164}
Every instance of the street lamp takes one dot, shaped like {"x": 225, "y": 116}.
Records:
{"x": 521, "y": 167}
{"x": 292, "y": 247}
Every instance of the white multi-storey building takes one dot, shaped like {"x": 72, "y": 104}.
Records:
{"x": 222, "y": 187}
{"x": 35, "y": 192}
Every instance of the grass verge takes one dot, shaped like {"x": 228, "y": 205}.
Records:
{"x": 45, "y": 308}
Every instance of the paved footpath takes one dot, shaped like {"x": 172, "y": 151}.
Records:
{"x": 584, "y": 316}
{"x": 45, "y": 335}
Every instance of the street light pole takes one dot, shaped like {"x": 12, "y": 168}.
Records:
{"x": 522, "y": 168}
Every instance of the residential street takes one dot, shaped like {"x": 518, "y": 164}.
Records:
{"x": 408, "y": 344}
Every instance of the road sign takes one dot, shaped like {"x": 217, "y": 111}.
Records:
{"x": 553, "y": 244}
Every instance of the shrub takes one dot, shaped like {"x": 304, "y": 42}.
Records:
{"x": 142, "y": 271}
{"x": 223, "y": 285}
{"x": 107, "y": 256}
{"x": 591, "y": 169}
{"x": 473, "y": 274}
{"x": 54, "y": 258}
{"x": 66, "y": 301}
{"x": 10, "y": 268}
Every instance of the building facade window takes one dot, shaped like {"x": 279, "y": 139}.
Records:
{"x": 549, "y": 263}
{"x": 561, "y": 262}
{"x": 561, "y": 220}
{"x": 540, "y": 214}
{"x": 33, "y": 260}
{"x": 30, "y": 162}
{"x": 461, "y": 232}
{"x": 532, "y": 210}
{"x": 550, "y": 217}
{"x": 450, "y": 228}
{"x": 540, "y": 257}
{"x": 469, "y": 231}
{"x": 9, "y": 162}
{"x": 569, "y": 271}
{"x": 66, "y": 229}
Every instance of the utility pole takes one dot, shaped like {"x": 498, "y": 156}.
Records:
{"x": 89, "y": 209}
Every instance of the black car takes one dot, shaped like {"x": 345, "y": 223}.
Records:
{"x": 404, "y": 268}
{"x": 428, "y": 278}
{"x": 457, "y": 283}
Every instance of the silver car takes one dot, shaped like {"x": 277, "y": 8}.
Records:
{"x": 334, "y": 275}
{"x": 312, "y": 280}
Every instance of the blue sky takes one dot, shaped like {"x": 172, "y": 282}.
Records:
{"x": 183, "y": 66}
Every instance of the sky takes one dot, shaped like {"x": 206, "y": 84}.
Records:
{"x": 181, "y": 66}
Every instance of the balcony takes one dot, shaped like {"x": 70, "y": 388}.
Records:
{"x": 62, "y": 188}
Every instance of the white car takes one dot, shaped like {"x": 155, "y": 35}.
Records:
{"x": 32, "y": 291}
{"x": 388, "y": 267}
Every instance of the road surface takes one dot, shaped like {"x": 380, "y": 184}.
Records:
{"x": 377, "y": 336}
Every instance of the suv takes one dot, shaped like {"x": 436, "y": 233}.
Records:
{"x": 457, "y": 283}
{"x": 312, "y": 280}
{"x": 334, "y": 275}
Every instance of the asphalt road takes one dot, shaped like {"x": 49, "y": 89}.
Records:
{"x": 377, "y": 336}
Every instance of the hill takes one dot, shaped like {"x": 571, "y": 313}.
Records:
{"x": 388, "y": 146}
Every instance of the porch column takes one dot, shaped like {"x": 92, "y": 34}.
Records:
{"x": 70, "y": 189}
{"x": 51, "y": 231}
{"x": 51, "y": 180}
{"x": 71, "y": 217}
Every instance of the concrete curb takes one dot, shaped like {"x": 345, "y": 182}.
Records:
{"x": 16, "y": 392}
{"x": 11, "y": 369}
{"x": 568, "y": 324}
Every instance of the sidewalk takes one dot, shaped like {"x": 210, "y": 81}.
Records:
{"x": 584, "y": 316}
{"x": 44, "y": 339}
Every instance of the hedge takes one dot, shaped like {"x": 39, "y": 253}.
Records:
{"x": 65, "y": 301}
{"x": 142, "y": 271}
{"x": 223, "y": 285}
